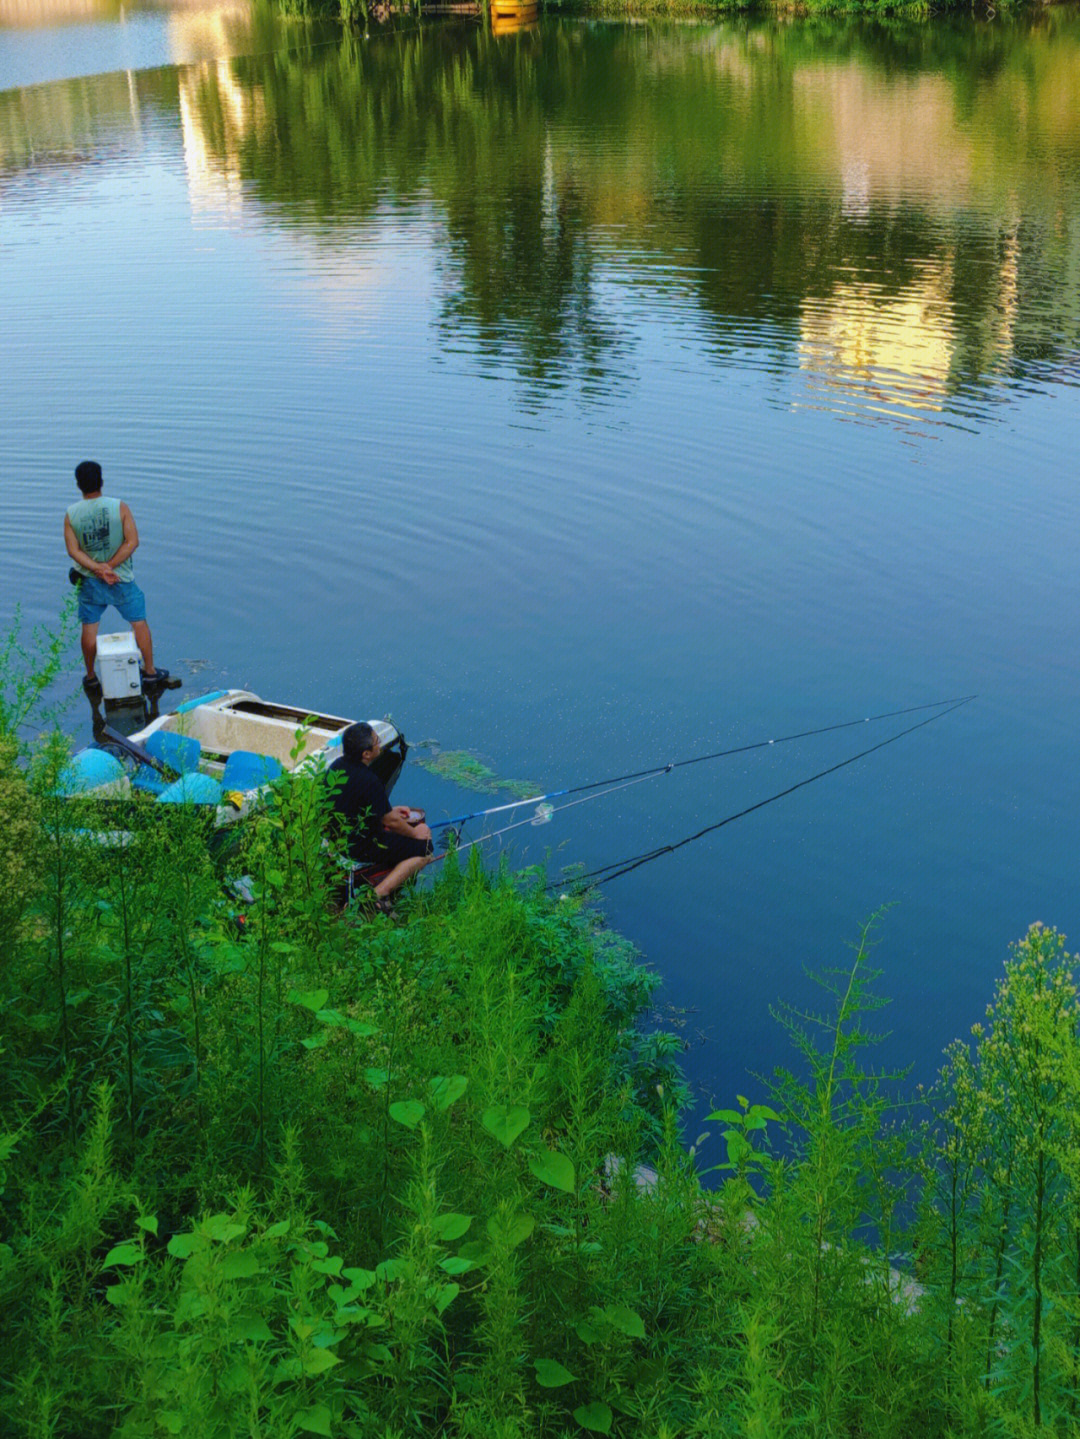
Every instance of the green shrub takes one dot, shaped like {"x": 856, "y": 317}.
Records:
{"x": 268, "y": 1168}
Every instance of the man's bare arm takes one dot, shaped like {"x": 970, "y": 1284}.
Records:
{"x": 130, "y": 543}
{"x": 79, "y": 555}
{"x": 396, "y": 821}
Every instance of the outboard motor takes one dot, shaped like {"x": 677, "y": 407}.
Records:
{"x": 129, "y": 701}
{"x": 118, "y": 668}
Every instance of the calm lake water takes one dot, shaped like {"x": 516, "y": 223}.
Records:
{"x": 588, "y": 397}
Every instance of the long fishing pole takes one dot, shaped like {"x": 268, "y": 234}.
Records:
{"x": 544, "y": 813}
{"x": 594, "y": 878}
{"x": 698, "y": 759}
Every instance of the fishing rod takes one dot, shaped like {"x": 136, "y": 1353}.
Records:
{"x": 545, "y": 813}
{"x": 538, "y": 799}
{"x": 607, "y": 872}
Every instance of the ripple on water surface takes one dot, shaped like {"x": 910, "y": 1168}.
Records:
{"x": 590, "y": 397}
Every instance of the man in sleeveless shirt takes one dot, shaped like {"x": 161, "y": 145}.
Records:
{"x": 101, "y": 537}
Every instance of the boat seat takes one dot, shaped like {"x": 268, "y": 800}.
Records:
{"x": 244, "y": 770}
{"x": 179, "y": 751}
{"x": 192, "y": 788}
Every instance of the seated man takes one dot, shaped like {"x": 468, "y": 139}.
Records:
{"x": 376, "y": 833}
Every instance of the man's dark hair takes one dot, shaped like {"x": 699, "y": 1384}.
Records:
{"x": 88, "y": 476}
{"x": 356, "y": 740}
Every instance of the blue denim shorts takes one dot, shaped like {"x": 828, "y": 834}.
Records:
{"x": 95, "y": 596}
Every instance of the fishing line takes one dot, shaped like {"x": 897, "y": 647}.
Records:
{"x": 620, "y": 867}
{"x": 551, "y": 810}
{"x": 701, "y": 759}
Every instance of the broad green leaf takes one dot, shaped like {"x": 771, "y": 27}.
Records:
{"x": 625, "y": 1320}
{"x": 315, "y": 1420}
{"x": 446, "y": 1091}
{"x": 743, "y": 1100}
{"x": 476, "y": 1250}
{"x": 190, "y": 1306}
{"x": 451, "y": 1226}
{"x": 505, "y": 1123}
{"x": 724, "y": 1116}
{"x": 588, "y": 1333}
{"x": 223, "y": 1228}
{"x": 360, "y": 1027}
{"x": 456, "y": 1265}
{"x": 128, "y": 1253}
{"x": 550, "y": 1374}
{"x": 738, "y": 1147}
{"x": 315, "y": 1041}
{"x": 309, "y": 998}
{"x": 362, "y": 1278}
{"x": 390, "y": 1270}
{"x": 408, "y": 1112}
{"x": 183, "y": 1246}
{"x": 148, "y": 1222}
{"x": 326, "y": 1337}
{"x": 171, "y": 1420}
{"x": 119, "y": 1294}
{"x": 446, "y": 1295}
{"x": 240, "y": 1264}
{"x": 759, "y": 1114}
{"x": 521, "y": 1226}
{"x": 330, "y": 1266}
{"x": 253, "y": 1328}
{"x": 277, "y": 879}
{"x": 332, "y": 1017}
{"x": 376, "y": 1077}
{"x": 302, "y": 1328}
{"x": 595, "y": 1416}
{"x": 553, "y": 1168}
{"x": 277, "y": 1230}
{"x": 513, "y": 1232}
{"x": 319, "y": 1361}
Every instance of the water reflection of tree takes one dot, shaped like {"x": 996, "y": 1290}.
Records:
{"x": 722, "y": 161}
{"x": 707, "y": 152}
{"x": 520, "y": 244}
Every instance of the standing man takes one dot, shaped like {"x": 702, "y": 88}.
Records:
{"x": 101, "y": 537}
{"x": 376, "y": 832}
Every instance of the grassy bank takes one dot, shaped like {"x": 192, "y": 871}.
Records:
{"x": 268, "y": 1169}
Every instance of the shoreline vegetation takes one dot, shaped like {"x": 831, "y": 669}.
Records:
{"x": 271, "y": 1169}
{"x": 361, "y": 12}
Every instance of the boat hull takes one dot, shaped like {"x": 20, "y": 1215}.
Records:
{"x": 229, "y": 745}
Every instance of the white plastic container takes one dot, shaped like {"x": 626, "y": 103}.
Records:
{"x": 118, "y": 666}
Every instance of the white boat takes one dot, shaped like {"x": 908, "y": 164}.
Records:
{"x": 221, "y": 750}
